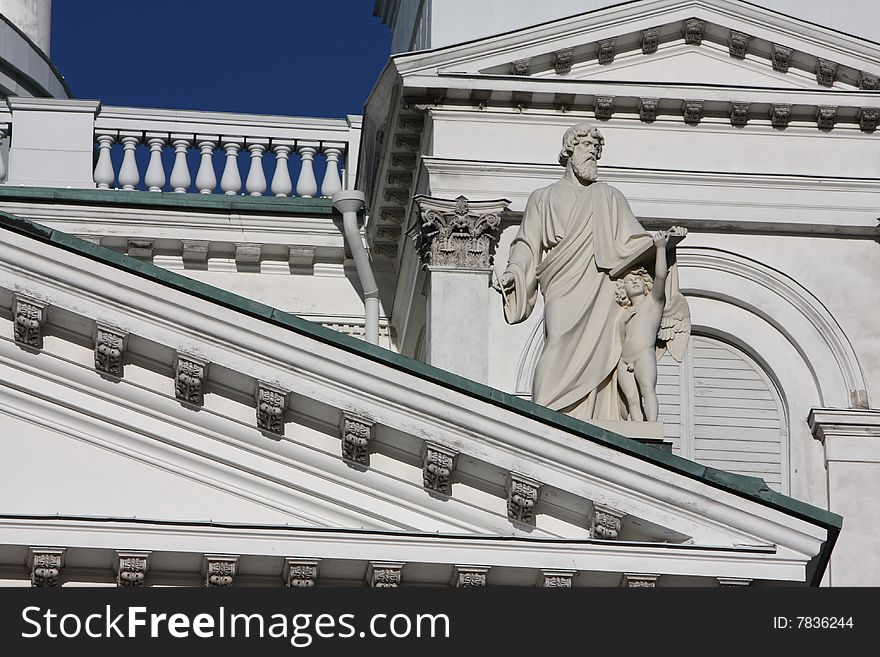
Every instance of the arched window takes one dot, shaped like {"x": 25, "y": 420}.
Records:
{"x": 720, "y": 408}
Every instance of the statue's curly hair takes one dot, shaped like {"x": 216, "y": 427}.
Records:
{"x": 573, "y": 135}
{"x": 620, "y": 292}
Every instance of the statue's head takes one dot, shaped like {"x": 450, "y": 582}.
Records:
{"x": 581, "y": 149}
{"x": 636, "y": 283}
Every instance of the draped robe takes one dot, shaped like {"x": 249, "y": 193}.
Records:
{"x": 571, "y": 236}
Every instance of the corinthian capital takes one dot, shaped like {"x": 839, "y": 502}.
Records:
{"x": 458, "y": 233}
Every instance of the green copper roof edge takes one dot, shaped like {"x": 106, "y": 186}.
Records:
{"x": 186, "y": 201}
{"x": 753, "y": 488}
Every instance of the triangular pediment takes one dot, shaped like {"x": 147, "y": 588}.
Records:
{"x": 711, "y": 42}
{"x": 135, "y": 446}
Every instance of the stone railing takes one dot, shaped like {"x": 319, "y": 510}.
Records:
{"x": 74, "y": 143}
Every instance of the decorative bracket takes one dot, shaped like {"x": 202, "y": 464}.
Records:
{"x": 438, "y": 464}
{"x": 522, "y": 496}
{"x": 640, "y": 580}
{"x": 562, "y": 60}
{"x": 30, "y": 316}
{"x": 384, "y": 574}
{"x": 271, "y": 405}
{"x": 553, "y": 579}
{"x": 357, "y": 431}
{"x": 220, "y": 569}
{"x": 469, "y": 577}
{"x": 131, "y": 568}
{"x": 46, "y": 564}
{"x": 605, "y": 523}
{"x": 190, "y": 374}
{"x": 110, "y": 345}
{"x": 300, "y": 573}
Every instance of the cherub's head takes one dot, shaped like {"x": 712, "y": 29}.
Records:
{"x": 636, "y": 283}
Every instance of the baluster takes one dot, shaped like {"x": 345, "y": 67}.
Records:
{"x": 230, "y": 183}
{"x": 104, "y": 174}
{"x": 331, "y": 183}
{"x": 180, "y": 178}
{"x": 154, "y": 178}
{"x": 128, "y": 172}
{"x": 206, "y": 179}
{"x": 256, "y": 180}
{"x": 307, "y": 186}
{"x": 3, "y": 133}
{"x": 281, "y": 183}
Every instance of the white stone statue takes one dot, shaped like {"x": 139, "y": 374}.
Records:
{"x": 577, "y": 237}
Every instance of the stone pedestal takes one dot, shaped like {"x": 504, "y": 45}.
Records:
{"x": 456, "y": 241}
{"x": 53, "y": 142}
{"x": 852, "y": 457}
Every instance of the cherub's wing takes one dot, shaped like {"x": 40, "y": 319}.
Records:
{"x": 675, "y": 327}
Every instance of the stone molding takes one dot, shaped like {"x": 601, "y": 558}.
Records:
{"x": 131, "y": 568}
{"x": 438, "y": 464}
{"x": 46, "y": 564}
{"x": 522, "y": 497}
{"x": 300, "y": 573}
{"x": 734, "y": 582}
{"x": 110, "y": 345}
{"x": 29, "y": 315}
{"x": 469, "y": 577}
{"x": 219, "y": 569}
{"x": 356, "y": 432}
{"x": 849, "y": 434}
{"x": 458, "y": 233}
{"x": 384, "y": 574}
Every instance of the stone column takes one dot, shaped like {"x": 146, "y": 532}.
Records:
{"x": 852, "y": 458}
{"x": 456, "y": 241}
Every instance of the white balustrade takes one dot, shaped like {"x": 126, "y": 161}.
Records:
{"x": 230, "y": 183}
{"x": 255, "y": 185}
{"x": 104, "y": 174}
{"x": 331, "y": 183}
{"x": 206, "y": 179}
{"x": 281, "y": 183}
{"x": 307, "y": 186}
{"x": 155, "y": 176}
{"x": 261, "y": 139}
{"x": 180, "y": 178}
{"x": 128, "y": 172}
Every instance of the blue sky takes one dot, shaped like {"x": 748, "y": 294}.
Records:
{"x": 294, "y": 57}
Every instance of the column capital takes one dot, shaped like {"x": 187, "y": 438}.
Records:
{"x": 458, "y": 233}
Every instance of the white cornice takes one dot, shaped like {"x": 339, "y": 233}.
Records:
{"x": 630, "y": 17}
{"x": 742, "y": 561}
{"x": 397, "y": 399}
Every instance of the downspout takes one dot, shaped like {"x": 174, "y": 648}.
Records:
{"x": 349, "y": 203}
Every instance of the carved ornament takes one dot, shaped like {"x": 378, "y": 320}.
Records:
{"x": 648, "y": 109}
{"x": 693, "y": 31}
{"x": 468, "y": 577}
{"x": 271, "y": 404}
{"x": 738, "y": 44}
{"x": 739, "y": 114}
{"x": 692, "y": 111}
{"x": 781, "y": 58}
{"x": 604, "y": 107}
{"x": 555, "y": 579}
{"x": 522, "y": 496}
{"x": 110, "y": 345}
{"x": 605, "y": 523}
{"x": 384, "y": 574}
{"x": 300, "y": 573}
{"x": 826, "y": 117}
{"x": 562, "y": 60}
{"x": 220, "y": 570}
{"x": 30, "y": 316}
{"x": 356, "y": 433}
{"x": 650, "y": 41}
{"x": 458, "y": 233}
{"x": 780, "y": 114}
{"x": 825, "y": 72}
{"x": 190, "y": 374}
{"x": 46, "y": 566}
{"x": 438, "y": 464}
{"x": 607, "y": 48}
{"x": 640, "y": 580}
{"x": 520, "y": 66}
{"x": 868, "y": 117}
{"x": 131, "y": 569}
{"x": 868, "y": 81}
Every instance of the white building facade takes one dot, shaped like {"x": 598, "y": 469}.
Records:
{"x": 158, "y": 267}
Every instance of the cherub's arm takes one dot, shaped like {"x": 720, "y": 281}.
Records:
{"x": 658, "y": 292}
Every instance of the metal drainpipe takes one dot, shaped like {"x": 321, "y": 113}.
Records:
{"x": 349, "y": 203}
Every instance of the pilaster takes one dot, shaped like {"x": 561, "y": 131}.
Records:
{"x": 851, "y": 438}
{"x": 455, "y": 241}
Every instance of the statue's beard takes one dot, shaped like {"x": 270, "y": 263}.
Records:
{"x": 586, "y": 170}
